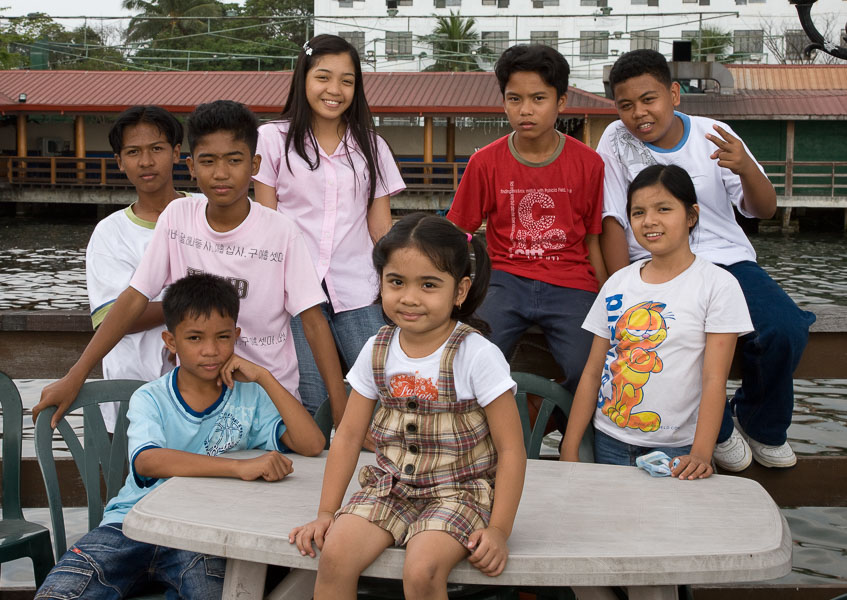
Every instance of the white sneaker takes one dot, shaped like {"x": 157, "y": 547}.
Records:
{"x": 779, "y": 457}
{"x": 734, "y": 454}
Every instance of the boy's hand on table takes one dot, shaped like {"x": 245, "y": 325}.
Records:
{"x": 271, "y": 466}
{"x": 489, "y": 551}
{"x": 730, "y": 153}
{"x": 316, "y": 530}
{"x": 691, "y": 466}
{"x": 238, "y": 368}
{"x": 60, "y": 394}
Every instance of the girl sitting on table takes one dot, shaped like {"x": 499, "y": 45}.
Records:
{"x": 447, "y": 430}
{"x": 665, "y": 329}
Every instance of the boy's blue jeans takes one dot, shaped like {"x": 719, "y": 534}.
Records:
{"x": 106, "y": 565}
{"x": 351, "y": 329}
{"x": 514, "y": 303}
{"x": 612, "y": 451}
{"x": 765, "y": 401}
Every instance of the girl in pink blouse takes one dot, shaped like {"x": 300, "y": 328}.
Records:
{"x": 324, "y": 166}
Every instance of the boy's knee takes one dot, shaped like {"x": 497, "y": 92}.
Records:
{"x": 423, "y": 577}
{"x": 203, "y": 577}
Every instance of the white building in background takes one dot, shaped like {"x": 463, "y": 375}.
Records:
{"x": 395, "y": 35}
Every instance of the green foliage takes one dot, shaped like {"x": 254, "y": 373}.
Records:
{"x": 454, "y": 44}
{"x": 711, "y": 41}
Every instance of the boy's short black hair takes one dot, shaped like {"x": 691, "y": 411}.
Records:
{"x": 550, "y": 65}
{"x": 640, "y": 62}
{"x": 156, "y": 116}
{"x": 198, "y": 295}
{"x": 223, "y": 115}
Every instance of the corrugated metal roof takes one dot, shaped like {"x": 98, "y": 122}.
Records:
{"x": 263, "y": 92}
{"x": 746, "y": 104}
{"x": 789, "y": 77}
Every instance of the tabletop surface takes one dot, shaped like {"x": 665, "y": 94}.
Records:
{"x": 578, "y": 524}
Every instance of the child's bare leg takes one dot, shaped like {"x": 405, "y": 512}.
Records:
{"x": 430, "y": 556}
{"x": 339, "y": 568}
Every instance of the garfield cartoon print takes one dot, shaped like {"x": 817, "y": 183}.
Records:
{"x": 639, "y": 331}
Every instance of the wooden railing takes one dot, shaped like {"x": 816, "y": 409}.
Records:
{"x": 807, "y": 178}
{"x": 789, "y": 178}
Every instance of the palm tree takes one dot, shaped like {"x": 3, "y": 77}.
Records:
{"x": 166, "y": 18}
{"x": 454, "y": 43}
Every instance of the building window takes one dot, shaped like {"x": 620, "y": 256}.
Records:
{"x": 356, "y": 39}
{"x": 593, "y": 44}
{"x": 649, "y": 2}
{"x": 598, "y": 3}
{"x": 398, "y": 44}
{"x": 795, "y": 42}
{"x": 644, "y": 40}
{"x": 345, "y": 3}
{"x": 748, "y": 41}
{"x": 494, "y": 42}
{"x": 545, "y": 38}
{"x": 404, "y": 2}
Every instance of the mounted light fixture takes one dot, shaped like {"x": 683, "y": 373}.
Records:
{"x": 21, "y": 97}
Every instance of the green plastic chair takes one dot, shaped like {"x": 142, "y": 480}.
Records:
{"x": 18, "y": 537}
{"x": 323, "y": 417}
{"x": 101, "y": 454}
{"x": 553, "y": 395}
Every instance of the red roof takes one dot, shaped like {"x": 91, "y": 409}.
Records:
{"x": 789, "y": 77}
{"x": 263, "y": 92}
{"x": 757, "y": 104}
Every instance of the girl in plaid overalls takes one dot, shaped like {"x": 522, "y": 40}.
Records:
{"x": 446, "y": 438}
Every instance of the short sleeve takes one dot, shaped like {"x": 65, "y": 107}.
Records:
{"x": 361, "y": 377}
{"x": 468, "y": 208}
{"x": 597, "y": 319}
{"x": 269, "y": 148}
{"x": 614, "y": 180}
{"x": 487, "y": 371}
{"x": 267, "y": 426}
{"x": 146, "y": 430}
{"x": 731, "y": 181}
{"x": 727, "y": 309}
{"x": 389, "y": 182}
{"x": 302, "y": 288}
{"x": 153, "y": 272}
{"x": 106, "y": 273}
{"x": 594, "y": 218}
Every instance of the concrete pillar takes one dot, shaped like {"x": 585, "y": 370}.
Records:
{"x": 789, "y": 173}
{"x": 79, "y": 145}
{"x": 21, "y": 131}
{"x": 586, "y": 131}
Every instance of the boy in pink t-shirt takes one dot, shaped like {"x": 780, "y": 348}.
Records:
{"x": 260, "y": 251}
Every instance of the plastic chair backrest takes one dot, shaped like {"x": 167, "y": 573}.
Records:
{"x": 99, "y": 452}
{"x": 553, "y": 395}
{"x": 10, "y": 400}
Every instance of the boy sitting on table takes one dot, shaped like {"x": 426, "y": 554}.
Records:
{"x": 180, "y": 424}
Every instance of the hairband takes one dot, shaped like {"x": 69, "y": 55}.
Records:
{"x": 471, "y": 255}
{"x": 307, "y": 49}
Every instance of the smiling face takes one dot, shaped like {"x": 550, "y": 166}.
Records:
{"x": 147, "y": 158}
{"x": 202, "y": 344}
{"x": 660, "y": 222}
{"x": 646, "y": 107}
{"x": 330, "y": 86}
{"x": 223, "y": 167}
{"x": 417, "y": 296}
{"x": 532, "y": 105}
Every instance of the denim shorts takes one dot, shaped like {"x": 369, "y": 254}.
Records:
{"x": 611, "y": 451}
{"x": 105, "y": 564}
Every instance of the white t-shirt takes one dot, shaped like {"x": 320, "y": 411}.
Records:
{"x": 658, "y": 337}
{"x": 114, "y": 251}
{"x": 718, "y": 237}
{"x": 479, "y": 371}
{"x": 265, "y": 258}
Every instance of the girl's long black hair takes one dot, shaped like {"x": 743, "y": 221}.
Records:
{"x": 449, "y": 250}
{"x": 357, "y": 116}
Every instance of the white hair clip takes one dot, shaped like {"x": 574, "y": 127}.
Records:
{"x": 307, "y": 49}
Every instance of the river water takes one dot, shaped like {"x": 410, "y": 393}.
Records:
{"x": 42, "y": 267}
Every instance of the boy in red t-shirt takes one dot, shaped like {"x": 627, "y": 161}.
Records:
{"x": 542, "y": 195}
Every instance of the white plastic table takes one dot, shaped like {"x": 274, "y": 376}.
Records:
{"x": 577, "y": 525}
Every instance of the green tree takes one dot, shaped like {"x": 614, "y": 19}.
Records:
{"x": 454, "y": 44}
{"x": 163, "y": 20}
{"x": 709, "y": 41}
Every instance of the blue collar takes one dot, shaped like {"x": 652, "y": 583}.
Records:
{"x": 686, "y": 129}
{"x": 185, "y": 406}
